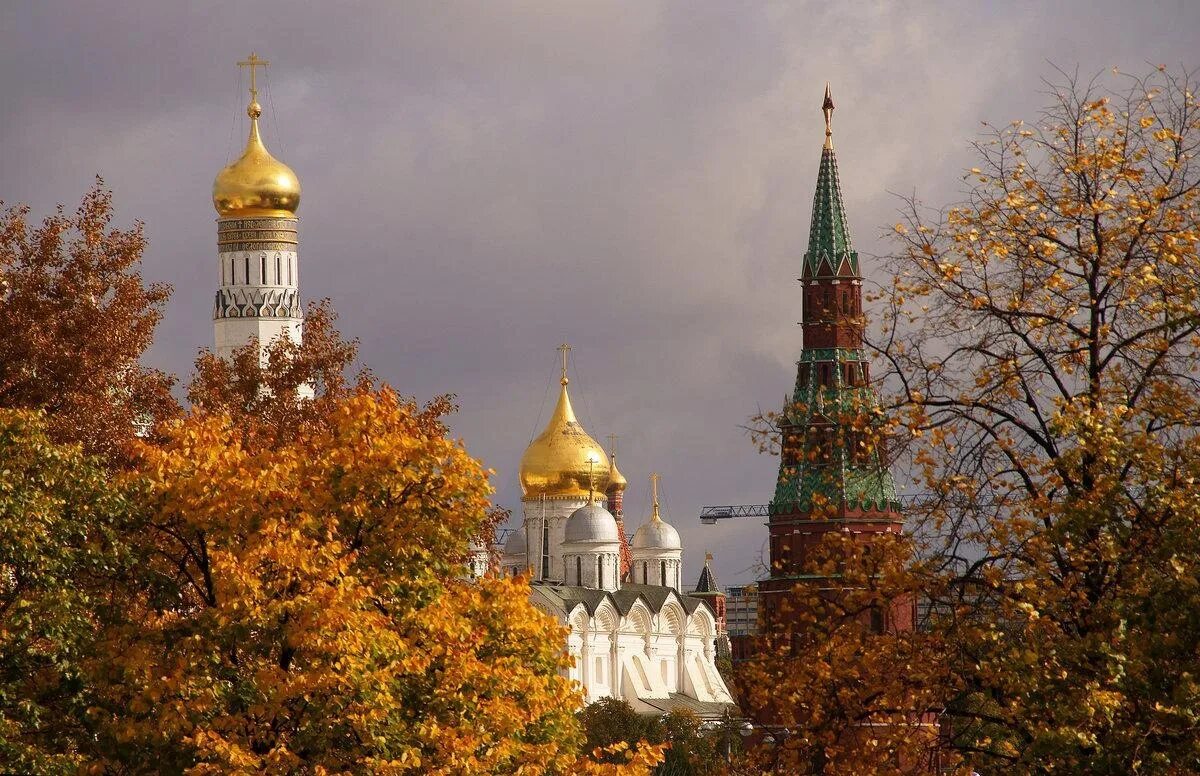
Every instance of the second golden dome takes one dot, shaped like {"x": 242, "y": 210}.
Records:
{"x": 564, "y": 460}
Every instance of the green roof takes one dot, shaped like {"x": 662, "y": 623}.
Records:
{"x": 829, "y": 235}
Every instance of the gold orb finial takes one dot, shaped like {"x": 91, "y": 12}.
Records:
{"x": 257, "y": 184}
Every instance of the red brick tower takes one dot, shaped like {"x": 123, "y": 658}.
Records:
{"x": 833, "y": 475}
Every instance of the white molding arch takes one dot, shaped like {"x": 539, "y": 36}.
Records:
{"x": 673, "y": 618}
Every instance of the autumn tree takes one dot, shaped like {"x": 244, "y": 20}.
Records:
{"x": 77, "y": 317}
{"x": 693, "y": 747}
{"x": 837, "y": 679}
{"x": 305, "y": 607}
{"x": 1041, "y": 338}
{"x": 282, "y": 388}
{"x": 834, "y": 685}
{"x": 276, "y": 584}
{"x": 61, "y": 523}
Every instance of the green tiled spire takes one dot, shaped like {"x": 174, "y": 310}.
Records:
{"x": 830, "y": 461}
{"x": 828, "y": 235}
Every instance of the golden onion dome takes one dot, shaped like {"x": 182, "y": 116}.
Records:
{"x": 616, "y": 480}
{"x": 257, "y": 184}
{"x": 563, "y": 460}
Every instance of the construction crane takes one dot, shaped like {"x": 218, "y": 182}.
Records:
{"x": 710, "y": 515}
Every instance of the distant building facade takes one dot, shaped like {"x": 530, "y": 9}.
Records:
{"x": 741, "y": 610}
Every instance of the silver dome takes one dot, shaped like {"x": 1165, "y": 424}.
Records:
{"x": 656, "y": 535}
{"x": 591, "y": 523}
{"x": 515, "y": 543}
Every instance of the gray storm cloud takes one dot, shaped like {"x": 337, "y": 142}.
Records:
{"x": 485, "y": 180}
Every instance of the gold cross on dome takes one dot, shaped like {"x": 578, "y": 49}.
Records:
{"x": 253, "y": 62}
{"x": 612, "y": 445}
{"x": 564, "y": 349}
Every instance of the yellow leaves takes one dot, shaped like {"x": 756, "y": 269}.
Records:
{"x": 1067, "y": 400}
{"x": 326, "y": 595}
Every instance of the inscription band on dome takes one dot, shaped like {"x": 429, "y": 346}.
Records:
{"x": 250, "y": 234}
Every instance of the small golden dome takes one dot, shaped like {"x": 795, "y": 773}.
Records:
{"x": 563, "y": 460}
{"x": 257, "y": 184}
{"x": 616, "y": 480}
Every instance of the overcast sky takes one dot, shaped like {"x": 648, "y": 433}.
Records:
{"x": 482, "y": 181}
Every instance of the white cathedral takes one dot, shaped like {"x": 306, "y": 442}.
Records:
{"x": 634, "y": 634}
{"x": 646, "y": 643}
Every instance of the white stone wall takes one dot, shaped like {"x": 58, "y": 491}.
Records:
{"x": 582, "y": 564}
{"x": 250, "y": 281}
{"x": 642, "y": 655}
{"x": 647, "y": 568}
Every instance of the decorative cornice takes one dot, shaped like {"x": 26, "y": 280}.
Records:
{"x": 257, "y": 303}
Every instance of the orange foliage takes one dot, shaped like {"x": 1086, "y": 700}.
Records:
{"x": 76, "y": 318}
{"x": 307, "y": 610}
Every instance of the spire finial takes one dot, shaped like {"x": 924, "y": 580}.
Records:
{"x": 253, "y": 110}
{"x": 827, "y": 109}
{"x": 564, "y": 349}
{"x": 654, "y": 478}
{"x": 708, "y": 556}
{"x": 612, "y": 446}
